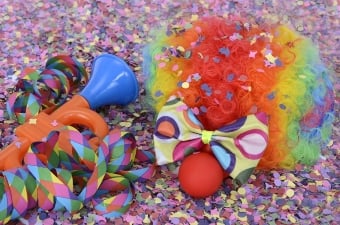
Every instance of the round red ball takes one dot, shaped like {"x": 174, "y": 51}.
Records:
{"x": 200, "y": 175}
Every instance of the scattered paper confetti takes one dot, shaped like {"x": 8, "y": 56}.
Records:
{"x": 39, "y": 29}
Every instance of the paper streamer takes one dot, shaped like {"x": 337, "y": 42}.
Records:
{"x": 37, "y": 90}
{"x": 50, "y": 175}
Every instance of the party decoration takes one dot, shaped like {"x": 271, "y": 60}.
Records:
{"x": 237, "y": 146}
{"x": 200, "y": 175}
{"x": 54, "y": 166}
{"x": 47, "y": 89}
{"x": 51, "y": 174}
{"x": 224, "y": 69}
{"x": 112, "y": 82}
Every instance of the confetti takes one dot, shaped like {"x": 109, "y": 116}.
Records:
{"x": 224, "y": 51}
{"x": 31, "y": 33}
{"x": 185, "y": 85}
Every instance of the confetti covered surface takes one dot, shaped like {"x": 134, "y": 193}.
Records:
{"x": 33, "y": 31}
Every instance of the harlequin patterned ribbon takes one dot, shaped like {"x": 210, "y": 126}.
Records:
{"x": 36, "y": 90}
{"x": 51, "y": 169}
{"x": 237, "y": 146}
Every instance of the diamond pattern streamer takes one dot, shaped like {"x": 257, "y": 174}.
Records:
{"x": 48, "y": 177}
{"x": 37, "y": 90}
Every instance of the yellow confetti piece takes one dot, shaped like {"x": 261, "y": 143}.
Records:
{"x": 194, "y": 223}
{"x": 330, "y": 144}
{"x": 158, "y": 200}
{"x": 146, "y": 220}
{"x": 330, "y": 198}
{"x": 178, "y": 215}
{"x": 87, "y": 49}
{"x": 194, "y": 17}
{"x": 291, "y": 184}
{"x": 26, "y": 60}
{"x": 270, "y": 58}
{"x": 76, "y": 216}
{"x": 137, "y": 39}
{"x": 261, "y": 207}
{"x": 285, "y": 207}
{"x": 290, "y": 193}
{"x": 18, "y": 34}
{"x": 233, "y": 195}
{"x": 318, "y": 183}
{"x": 125, "y": 124}
{"x": 244, "y": 201}
{"x": 147, "y": 9}
{"x": 316, "y": 210}
{"x": 241, "y": 190}
{"x": 252, "y": 177}
{"x": 50, "y": 39}
{"x": 185, "y": 85}
{"x": 179, "y": 197}
{"x": 181, "y": 48}
{"x": 230, "y": 201}
{"x": 137, "y": 68}
{"x": 291, "y": 218}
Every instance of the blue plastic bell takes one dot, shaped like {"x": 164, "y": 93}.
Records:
{"x": 112, "y": 82}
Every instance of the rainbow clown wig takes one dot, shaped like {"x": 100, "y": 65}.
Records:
{"x": 226, "y": 69}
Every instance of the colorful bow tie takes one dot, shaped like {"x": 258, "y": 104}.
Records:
{"x": 237, "y": 146}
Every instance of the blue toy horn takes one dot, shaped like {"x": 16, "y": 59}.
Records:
{"x": 112, "y": 82}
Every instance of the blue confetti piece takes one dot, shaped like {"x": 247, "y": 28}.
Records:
{"x": 238, "y": 27}
{"x": 229, "y": 95}
{"x": 207, "y": 89}
{"x": 282, "y": 106}
{"x": 203, "y": 109}
{"x": 216, "y": 59}
{"x": 204, "y": 87}
{"x": 271, "y": 96}
{"x": 158, "y": 93}
{"x": 224, "y": 51}
{"x": 278, "y": 62}
{"x": 196, "y": 77}
{"x": 230, "y": 77}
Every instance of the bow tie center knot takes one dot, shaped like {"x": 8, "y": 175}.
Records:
{"x": 206, "y": 136}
